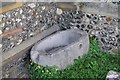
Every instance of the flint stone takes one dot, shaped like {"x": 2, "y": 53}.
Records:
{"x": 112, "y": 75}
{"x": 61, "y": 48}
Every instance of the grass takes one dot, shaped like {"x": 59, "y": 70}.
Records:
{"x": 94, "y": 64}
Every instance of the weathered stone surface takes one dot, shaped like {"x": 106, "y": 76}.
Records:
{"x": 14, "y": 62}
{"x": 60, "y": 49}
{"x": 112, "y": 75}
{"x": 67, "y": 6}
{"x": 102, "y": 8}
{"x": 14, "y": 67}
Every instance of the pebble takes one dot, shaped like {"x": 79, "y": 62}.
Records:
{"x": 88, "y": 16}
{"x": 103, "y": 40}
{"x": 87, "y": 20}
{"x": 23, "y": 16}
{"x": 59, "y": 11}
{"x": 89, "y": 26}
{"x": 102, "y": 34}
{"x": 107, "y": 48}
{"x": 0, "y": 45}
{"x": 11, "y": 45}
{"x": 83, "y": 25}
{"x": 43, "y": 7}
{"x": 94, "y": 32}
{"x": 32, "y": 5}
{"x": 7, "y": 29}
{"x": 108, "y": 19}
{"x": 93, "y": 22}
{"x": 78, "y": 26}
{"x": 19, "y": 41}
{"x": 21, "y": 11}
{"x": 3, "y": 25}
{"x": 1, "y": 32}
{"x": 31, "y": 34}
{"x": 18, "y": 20}
{"x": 6, "y": 75}
{"x": 112, "y": 38}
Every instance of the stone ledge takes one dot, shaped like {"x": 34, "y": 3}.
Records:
{"x": 20, "y": 52}
{"x": 106, "y": 9}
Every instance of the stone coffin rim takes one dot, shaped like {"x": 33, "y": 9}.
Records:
{"x": 82, "y": 34}
{"x": 68, "y": 51}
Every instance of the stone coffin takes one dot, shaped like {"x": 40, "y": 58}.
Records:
{"x": 61, "y": 48}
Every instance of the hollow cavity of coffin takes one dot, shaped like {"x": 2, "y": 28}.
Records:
{"x": 61, "y": 48}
